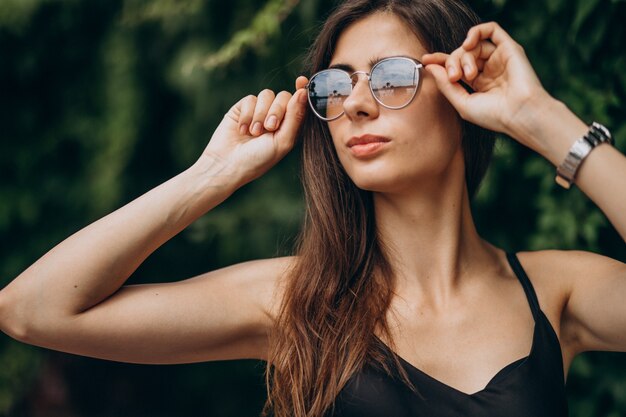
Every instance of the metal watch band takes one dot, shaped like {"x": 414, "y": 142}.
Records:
{"x": 596, "y": 135}
{"x": 567, "y": 170}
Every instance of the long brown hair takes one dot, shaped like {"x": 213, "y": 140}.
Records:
{"x": 340, "y": 287}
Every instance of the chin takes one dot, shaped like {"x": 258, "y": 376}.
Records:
{"x": 382, "y": 175}
{"x": 378, "y": 183}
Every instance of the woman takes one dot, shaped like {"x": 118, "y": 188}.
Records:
{"x": 393, "y": 305}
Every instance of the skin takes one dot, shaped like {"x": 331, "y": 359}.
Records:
{"x": 460, "y": 314}
{"x": 418, "y": 158}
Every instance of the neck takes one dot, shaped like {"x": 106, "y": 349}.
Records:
{"x": 432, "y": 241}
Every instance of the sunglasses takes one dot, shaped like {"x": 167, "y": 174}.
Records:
{"x": 393, "y": 82}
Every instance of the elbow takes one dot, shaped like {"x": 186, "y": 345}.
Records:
{"x": 10, "y": 322}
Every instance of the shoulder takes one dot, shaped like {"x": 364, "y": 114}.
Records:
{"x": 566, "y": 282}
{"x": 560, "y": 270}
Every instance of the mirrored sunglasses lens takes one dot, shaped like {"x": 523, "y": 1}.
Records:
{"x": 394, "y": 82}
{"x": 327, "y": 92}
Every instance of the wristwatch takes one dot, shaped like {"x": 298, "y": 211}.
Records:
{"x": 596, "y": 135}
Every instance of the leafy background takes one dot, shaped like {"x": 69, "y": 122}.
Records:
{"x": 102, "y": 100}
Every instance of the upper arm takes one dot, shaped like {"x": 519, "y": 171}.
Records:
{"x": 595, "y": 312}
{"x": 223, "y": 314}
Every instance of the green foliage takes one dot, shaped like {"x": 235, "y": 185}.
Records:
{"x": 19, "y": 366}
{"x": 16, "y": 14}
{"x": 135, "y": 12}
{"x": 266, "y": 23}
{"x": 106, "y": 99}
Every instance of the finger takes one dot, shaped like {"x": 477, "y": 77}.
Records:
{"x": 453, "y": 66}
{"x": 445, "y": 60}
{"x": 483, "y": 31}
{"x": 277, "y": 111}
{"x": 245, "y": 115}
{"x": 482, "y": 50}
{"x": 481, "y": 83}
{"x": 466, "y": 64}
{"x": 438, "y": 58}
{"x": 264, "y": 101}
{"x": 301, "y": 81}
{"x": 469, "y": 65}
{"x": 296, "y": 108}
{"x": 453, "y": 91}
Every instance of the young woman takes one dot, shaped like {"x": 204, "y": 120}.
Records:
{"x": 393, "y": 304}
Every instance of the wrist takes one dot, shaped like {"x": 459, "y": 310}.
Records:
{"x": 211, "y": 171}
{"x": 201, "y": 187}
{"x": 548, "y": 127}
{"x": 567, "y": 170}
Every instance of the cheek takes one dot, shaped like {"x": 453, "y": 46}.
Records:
{"x": 337, "y": 133}
{"x": 431, "y": 117}
{"x": 434, "y": 106}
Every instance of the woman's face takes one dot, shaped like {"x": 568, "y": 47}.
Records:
{"x": 419, "y": 141}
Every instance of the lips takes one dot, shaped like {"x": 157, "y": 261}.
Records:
{"x": 365, "y": 139}
{"x": 366, "y": 146}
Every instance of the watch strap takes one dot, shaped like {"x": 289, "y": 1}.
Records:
{"x": 596, "y": 135}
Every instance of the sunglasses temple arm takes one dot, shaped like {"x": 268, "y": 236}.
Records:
{"x": 466, "y": 86}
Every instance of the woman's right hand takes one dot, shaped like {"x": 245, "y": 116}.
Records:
{"x": 257, "y": 132}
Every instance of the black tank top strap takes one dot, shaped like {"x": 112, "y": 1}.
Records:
{"x": 528, "y": 286}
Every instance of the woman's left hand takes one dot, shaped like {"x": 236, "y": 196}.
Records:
{"x": 506, "y": 89}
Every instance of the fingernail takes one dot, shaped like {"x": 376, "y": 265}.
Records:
{"x": 466, "y": 69}
{"x": 271, "y": 122}
{"x": 303, "y": 97}
{"x": 243, "y": 129}
{"x": 451, "y": 71}
{"x": 256, "y": 128}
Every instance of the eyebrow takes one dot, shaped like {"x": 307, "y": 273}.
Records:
{"x": 371, "y": 63}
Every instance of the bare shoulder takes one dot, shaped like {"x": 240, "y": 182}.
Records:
{"x": 570, "y": 286}
{"x": 556, "y": 271}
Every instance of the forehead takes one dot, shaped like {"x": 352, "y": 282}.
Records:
{"x": 376, "y": 36}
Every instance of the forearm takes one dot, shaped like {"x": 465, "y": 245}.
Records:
{"x": 602, "y": 174}
{"x": 93, "y": 263}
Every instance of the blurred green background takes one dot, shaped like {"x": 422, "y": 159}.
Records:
{"x": 101, "y": 101}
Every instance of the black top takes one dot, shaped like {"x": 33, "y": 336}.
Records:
{"x": 531, "y": 386}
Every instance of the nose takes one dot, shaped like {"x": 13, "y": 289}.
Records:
{"x": 360, "y": 103}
